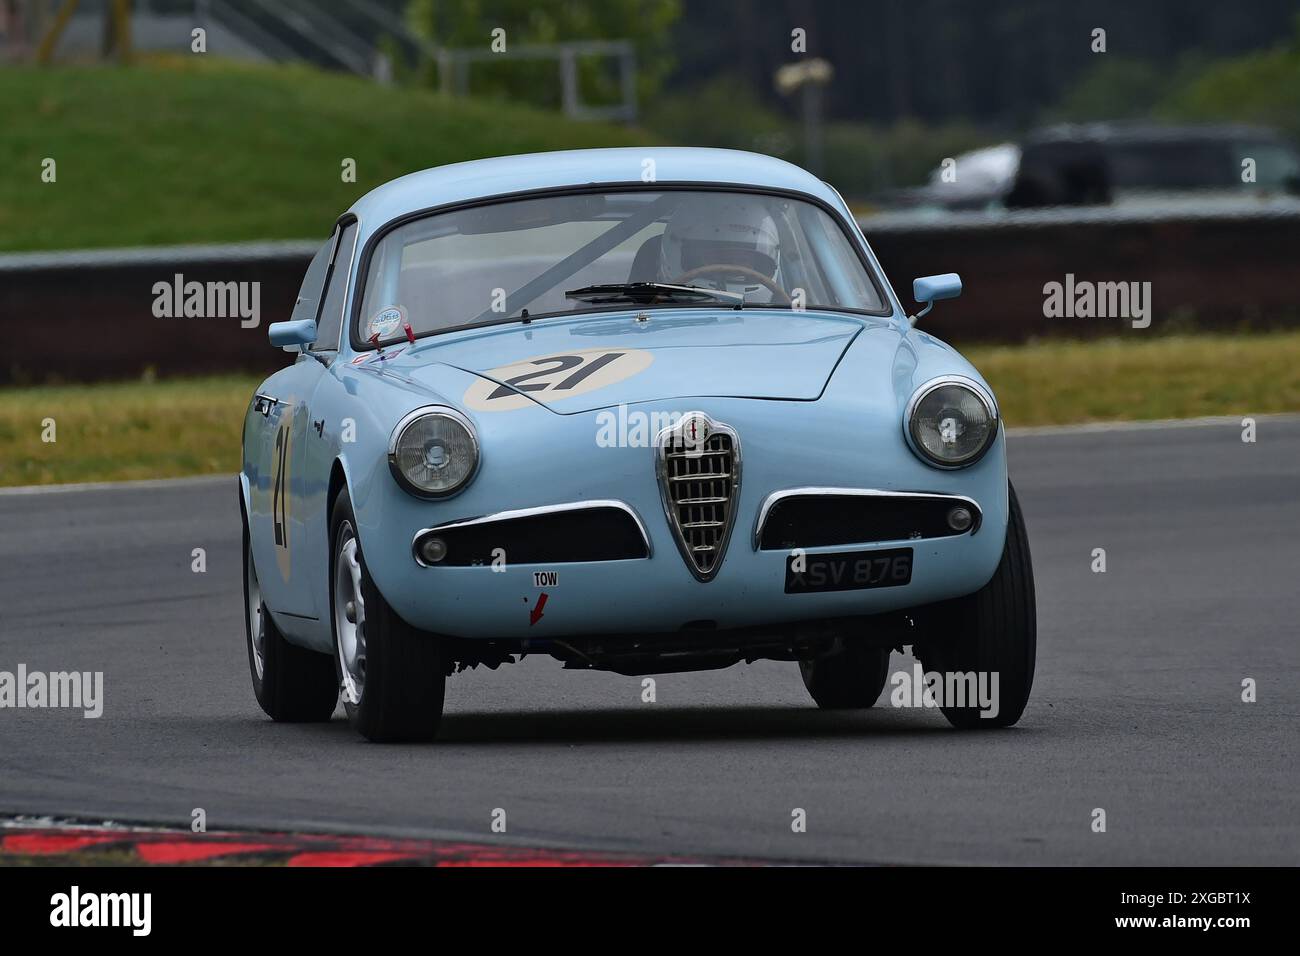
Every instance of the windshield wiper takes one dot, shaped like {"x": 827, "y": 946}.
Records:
{"x": 645, "y": 293}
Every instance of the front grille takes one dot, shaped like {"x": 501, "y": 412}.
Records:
{"x": 699, "y": 483}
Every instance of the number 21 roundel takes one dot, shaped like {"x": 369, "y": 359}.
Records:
{"x": 551, "y": 378}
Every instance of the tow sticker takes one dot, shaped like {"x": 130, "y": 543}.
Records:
{"x": 538, "y": 610}
{"x": 550, "y": 378}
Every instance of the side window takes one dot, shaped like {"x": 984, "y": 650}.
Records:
{"x": 330, "y": 320}
{"x": 308, "y": 301}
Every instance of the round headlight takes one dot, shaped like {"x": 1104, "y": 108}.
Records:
{"x": 951, "y": 422}
{"x": 433, "y": 452}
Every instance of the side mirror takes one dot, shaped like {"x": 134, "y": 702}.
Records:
{"x": 930, "y": 289}
{"x": 299, "y": 332}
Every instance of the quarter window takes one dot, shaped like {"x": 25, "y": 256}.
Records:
{"x": 313, "y": 283}
{"x": 330, "y": 319}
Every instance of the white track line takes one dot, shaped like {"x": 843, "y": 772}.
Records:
{"x": 1149, "y": 425}
{"x": 146, "y": 485}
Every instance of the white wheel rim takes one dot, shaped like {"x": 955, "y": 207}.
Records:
{"x": 350, "y": 616}
{"x": 256, "y": 626}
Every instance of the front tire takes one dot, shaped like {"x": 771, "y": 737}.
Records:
{"x": 392, "y": 676}
{"x": 994, "y": 630}
{"x": 850, "y": 677}
{"x": 292, "y": 684}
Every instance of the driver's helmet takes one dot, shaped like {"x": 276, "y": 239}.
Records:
{"x": 721, "y": 231}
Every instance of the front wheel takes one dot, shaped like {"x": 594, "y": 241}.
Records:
{"x": 292, "y": 684}
{"x": 392, "y": 676}
{"x": 991, "y": 632}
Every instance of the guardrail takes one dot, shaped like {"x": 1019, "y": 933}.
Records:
{"x": 88, "y": 315}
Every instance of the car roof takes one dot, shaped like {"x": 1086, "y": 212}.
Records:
{"x": 675, "y": 165}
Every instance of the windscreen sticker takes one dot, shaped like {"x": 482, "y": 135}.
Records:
{"x": 385, "y": 322}
{"x": 551, "y": 378}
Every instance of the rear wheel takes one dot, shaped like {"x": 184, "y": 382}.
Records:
{"x": 851, "y": 676}
{"x": 392, "y": 676}
{"x": 292, "y": 683}
{"x": 993, "y": 631}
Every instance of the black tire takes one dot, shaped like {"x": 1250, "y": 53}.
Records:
{"x": 850, "y": 677}
{"x": 994, "y": 630}
{"x": 295, "y": 684}
{"x": 401, "y": 694}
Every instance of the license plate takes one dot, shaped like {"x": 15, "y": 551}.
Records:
{"x": 848, "y": 571}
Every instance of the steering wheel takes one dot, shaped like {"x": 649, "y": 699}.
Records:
{"x": 722, "y": 269}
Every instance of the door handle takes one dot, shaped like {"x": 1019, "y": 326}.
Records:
{"x": 263, "y": 403}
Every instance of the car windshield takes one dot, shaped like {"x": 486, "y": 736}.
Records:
{"x": 593, "y": 252}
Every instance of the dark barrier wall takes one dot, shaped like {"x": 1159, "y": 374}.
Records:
{"x": 1205, "y": 272}
{"x": 94, "y": 320}
{"x": 82, "y": 317}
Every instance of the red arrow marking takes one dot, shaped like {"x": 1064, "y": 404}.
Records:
{"x": 535, "y": 614}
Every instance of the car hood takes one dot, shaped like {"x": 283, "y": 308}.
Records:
{"x": 579, "y": 364}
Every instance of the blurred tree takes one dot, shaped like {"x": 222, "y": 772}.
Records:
{"x": 994, "y": 62}
{"x": 1117, "y": 87}
{"x": 1257, "y": 88}
{"x": 722, "y": 111}
{"x": 469, "y": 23}
{"x": 1124, "y": 87}
{"x": 863, "y": 159}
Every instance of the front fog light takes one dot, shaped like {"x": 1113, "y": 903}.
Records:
{"x": 433, "y": 550}
{"x": 959, "y": 518}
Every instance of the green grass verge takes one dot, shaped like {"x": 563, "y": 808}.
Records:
{"x": 171, "y": 151}
{"x": 189, "y": 427}
{"x": 123, "y": 431}
{"x": 1132, "y": 378}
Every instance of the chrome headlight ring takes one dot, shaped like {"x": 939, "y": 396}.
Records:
{"x": 469, "y": 443}
{"x": 925, "y": 390}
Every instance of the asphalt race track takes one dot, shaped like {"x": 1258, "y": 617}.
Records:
{"x": 1136, "y": 709}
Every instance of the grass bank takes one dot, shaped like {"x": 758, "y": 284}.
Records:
{"x": 170, "y": 151}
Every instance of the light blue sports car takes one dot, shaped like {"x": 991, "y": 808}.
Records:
{"x": 643, "y": 410}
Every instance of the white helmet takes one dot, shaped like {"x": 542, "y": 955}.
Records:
{"x": 720, "y": 230}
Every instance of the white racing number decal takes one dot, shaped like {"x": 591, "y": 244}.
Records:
{"x": 549, "y": 378}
